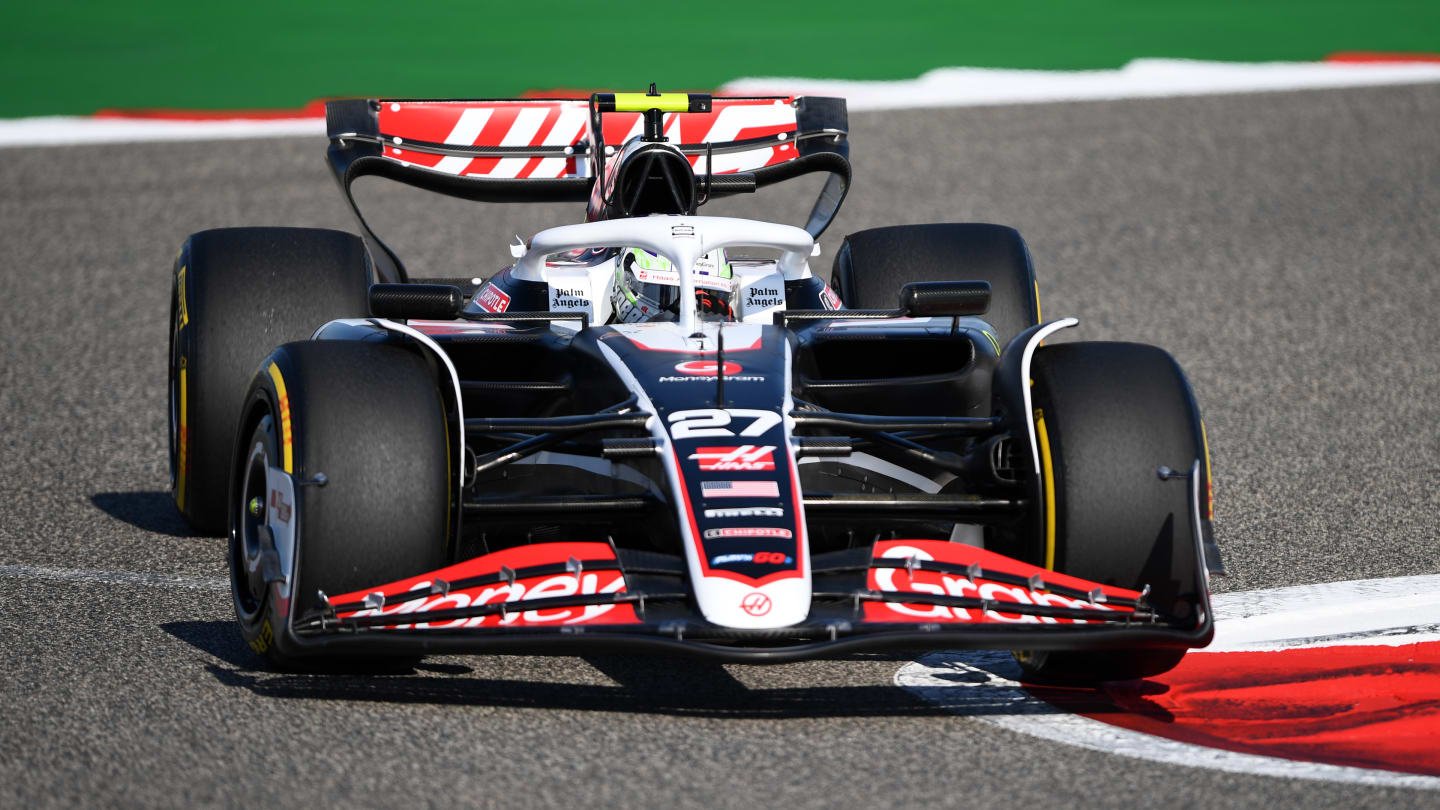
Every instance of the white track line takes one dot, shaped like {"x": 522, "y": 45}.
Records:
{"x": 1141, "y": 78}
{"x": 61, "y": 130}
{"x": 1400, "y": 610}
{"x": 83, "y": 575}
{"x": 943, "y": 87}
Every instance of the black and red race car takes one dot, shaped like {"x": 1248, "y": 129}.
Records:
{"x": 660, "y": 431}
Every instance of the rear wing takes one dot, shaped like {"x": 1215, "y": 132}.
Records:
{"x": 543, "y": 150}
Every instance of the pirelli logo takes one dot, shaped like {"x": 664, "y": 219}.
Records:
{"x": 183, "y": 317}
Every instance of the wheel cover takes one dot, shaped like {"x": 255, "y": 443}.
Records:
{"x": 249, "y": 524}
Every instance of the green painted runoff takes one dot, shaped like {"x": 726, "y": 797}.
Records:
{"x": 76, "y": 56}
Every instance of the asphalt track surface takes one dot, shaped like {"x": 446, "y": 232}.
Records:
{"x": 1282, "y": 246}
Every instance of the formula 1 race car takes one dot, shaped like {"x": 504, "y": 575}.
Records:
{"x": 659, "y": 431}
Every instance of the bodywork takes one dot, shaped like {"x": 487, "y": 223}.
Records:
{"x": 802, "y": 481}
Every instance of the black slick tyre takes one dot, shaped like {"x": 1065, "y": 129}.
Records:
{"x": 872, "y": 265}
{"x": 236, "y": 294}
{"x": 1108, "y": 417}
{"x": 368, "y": 420}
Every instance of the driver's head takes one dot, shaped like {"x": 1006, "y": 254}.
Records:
{"x": 647, "y": 288}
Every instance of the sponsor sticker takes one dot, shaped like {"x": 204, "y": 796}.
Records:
{"x": 569, "y": 291}
{"x": 763, "y": 296}
{"x": 410, "y": 613}
{"x": 755, "y": 603}
{"x": 707, "y": 368}
{"x": 758, "y": 558}
{"x": 492, "y": 298}
{"x": 711, "y": 378}
{"x": 568, "y": 298}
{"x": 655, "y": 269}
{"x": 828, "y": 298}
{"x": 534, "y": 588}
{"x": 649, "y": 276}
{"x": 746, "y": 511}
{"x": 747, "y": 531}
{"x": 746, "y": 457}
{"x": 920, "y": 581}
{"x": 279, "y": 507}
{"x": 739, "y": 489}
{"x": 725, "y": 559}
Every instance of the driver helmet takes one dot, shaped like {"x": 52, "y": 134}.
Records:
{"x": 647, "y": 288}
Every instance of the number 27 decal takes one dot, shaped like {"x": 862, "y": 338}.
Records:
{"x": 707, "y": 422}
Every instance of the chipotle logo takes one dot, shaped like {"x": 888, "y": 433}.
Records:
{"x": 492, "y": 299}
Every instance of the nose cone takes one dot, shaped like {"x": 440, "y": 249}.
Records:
{"x": 720, "y": 400}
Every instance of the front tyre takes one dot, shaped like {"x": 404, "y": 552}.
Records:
{"x": 1108, "y": 417}
{"x": 237, "y": 293}
{"x": 368, "y": 420}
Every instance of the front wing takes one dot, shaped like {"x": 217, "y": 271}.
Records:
{"x": 569, "y": 598}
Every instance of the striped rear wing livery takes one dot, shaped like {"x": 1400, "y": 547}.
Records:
{"x": 548, "y": 138}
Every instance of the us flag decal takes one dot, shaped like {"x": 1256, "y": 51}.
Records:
{"x": 739, "y": 489}
{"x": 746, "y": 457}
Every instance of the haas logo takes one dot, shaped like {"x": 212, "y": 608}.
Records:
{"x": 279, "y": 506}
{"x": 755, "y": 603}
{"x": 746, "y": 457}
{"x": 706, "y": 368}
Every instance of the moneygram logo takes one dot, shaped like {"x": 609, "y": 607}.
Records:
{"x": 706, "y": 368}
{"x": 746, "y": 457}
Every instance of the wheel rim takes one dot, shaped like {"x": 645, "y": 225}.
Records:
{"x": 250, "y": 516}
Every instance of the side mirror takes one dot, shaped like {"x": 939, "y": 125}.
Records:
{"x": 933, "y": 299}
{"x": 431, "y": 302}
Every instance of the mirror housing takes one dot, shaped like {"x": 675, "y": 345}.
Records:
{"x": 430, "y": 302}
{"x": 935, "y": 299}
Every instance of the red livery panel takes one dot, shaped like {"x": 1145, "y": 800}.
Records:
{"x": 517, "y": 559}
{"x": 559, "y": 123}
{"x": 934, "y": 582}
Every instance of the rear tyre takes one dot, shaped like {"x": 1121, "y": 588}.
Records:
{"x": 236, "y": 294}
{"x": 1112, "y": 414}
{"x": 370, "y": 419}
{"x": 874, "y": 264}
